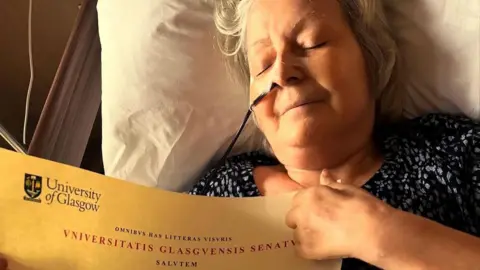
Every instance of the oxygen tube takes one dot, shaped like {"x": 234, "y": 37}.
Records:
{"x": 267, "y": 91}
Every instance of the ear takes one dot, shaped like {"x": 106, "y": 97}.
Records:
{"x": 273, "y": 180}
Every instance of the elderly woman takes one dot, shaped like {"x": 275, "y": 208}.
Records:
{"x": 375, "y": 189}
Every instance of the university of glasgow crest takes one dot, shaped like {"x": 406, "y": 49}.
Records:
{"x": 33, "y": 187}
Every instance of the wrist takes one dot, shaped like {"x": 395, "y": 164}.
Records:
{"x": 407, "y": 241}
{"x": 399, "y": 243}
{"x": 375, "y": 244}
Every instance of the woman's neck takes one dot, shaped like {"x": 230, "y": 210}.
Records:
{"x": 356, "y": 169}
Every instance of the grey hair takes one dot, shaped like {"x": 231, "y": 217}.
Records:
{"x": 368, "y": 21}
{"x": 231, "y": 22}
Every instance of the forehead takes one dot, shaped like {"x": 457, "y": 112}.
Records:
{"x": 282, "y": 17}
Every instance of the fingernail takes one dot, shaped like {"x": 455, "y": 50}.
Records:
{"x": 324, "y": 172}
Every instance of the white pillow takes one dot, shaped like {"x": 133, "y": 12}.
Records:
{"x": 440, "y": 44}
{"x": 168, "y": 107}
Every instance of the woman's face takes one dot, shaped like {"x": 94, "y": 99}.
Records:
{"x": 308, "y": 49}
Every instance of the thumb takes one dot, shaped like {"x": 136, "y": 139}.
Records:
{"x": 274, "y": 180}
{"x": 327, "y": 179}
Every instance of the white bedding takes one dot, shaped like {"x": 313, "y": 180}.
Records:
{"x": 440, "y": 44}
{"x": 169, "y": 108}
{"x": 167, "y": 104}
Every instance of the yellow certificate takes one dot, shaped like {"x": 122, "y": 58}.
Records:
{"x": 54, "y": 216}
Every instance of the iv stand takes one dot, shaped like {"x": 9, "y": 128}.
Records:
{"x": 11, "y": 140}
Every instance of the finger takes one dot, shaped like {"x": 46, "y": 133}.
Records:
{"x": 305, "y": 244}
{"x": 273, "y": 181}
{"x": 314, "y": 195}
{"x": 292, "y": 218}
{"x": 302, "y": 196}
{"x": 339, "y": 185}
{"x": 326, "y": 178}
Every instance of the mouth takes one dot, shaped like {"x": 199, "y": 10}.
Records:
{"x": 298, "y": 105}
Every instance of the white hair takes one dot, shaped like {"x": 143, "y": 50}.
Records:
{"x": 369, "y": 24}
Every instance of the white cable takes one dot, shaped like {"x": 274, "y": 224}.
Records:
{"x": 30, "y": 84}
{"x": 11, "y": 140}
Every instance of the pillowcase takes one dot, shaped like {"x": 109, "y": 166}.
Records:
{"x": 169, "y": 108}
{"x": 439, "y": 41}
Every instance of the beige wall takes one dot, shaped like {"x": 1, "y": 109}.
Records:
{"x": 51, "y": 25}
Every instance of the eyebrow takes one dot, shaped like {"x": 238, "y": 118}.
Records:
{"x": 295, "y": 30}
{"x": 301, "y": 23}
{"x": 265, "y": 41}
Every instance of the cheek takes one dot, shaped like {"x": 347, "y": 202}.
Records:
{"x": 342, "y": 72}
{"x": 264, "y": 115}
{"x": 263, "y": 111}
{"x": 251, "y": 89}
{"x": 252, "y": 96}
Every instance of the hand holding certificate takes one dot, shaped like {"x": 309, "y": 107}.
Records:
{"x": 58, "y": 217}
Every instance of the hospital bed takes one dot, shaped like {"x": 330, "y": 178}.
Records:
{"x": 73, "y": 102}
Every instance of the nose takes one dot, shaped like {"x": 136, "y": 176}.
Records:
{"x": 287, "y": 71}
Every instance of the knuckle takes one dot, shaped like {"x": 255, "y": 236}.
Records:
{"x": 302, "y": 195}
{"x": 290, "y": 219}
{"x": 297, "y": 197}
{"x": 305, "y": 252}
{"x": 320, "y": 191}
{"x": 307, "y": 246}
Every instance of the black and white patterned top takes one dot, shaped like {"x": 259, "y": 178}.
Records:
{"x": 431, "y": 168}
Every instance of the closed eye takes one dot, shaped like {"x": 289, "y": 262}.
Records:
{"x": 316, "y": 46}
{"x": 265, "y": 69}
{"x": 320, "y": 45}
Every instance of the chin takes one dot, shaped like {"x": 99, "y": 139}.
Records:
{"x": 300, "y": 148}
{"x": 297, "y": 138}
{"x": 302, "y": 132}
{"x": 298, "y": 142}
